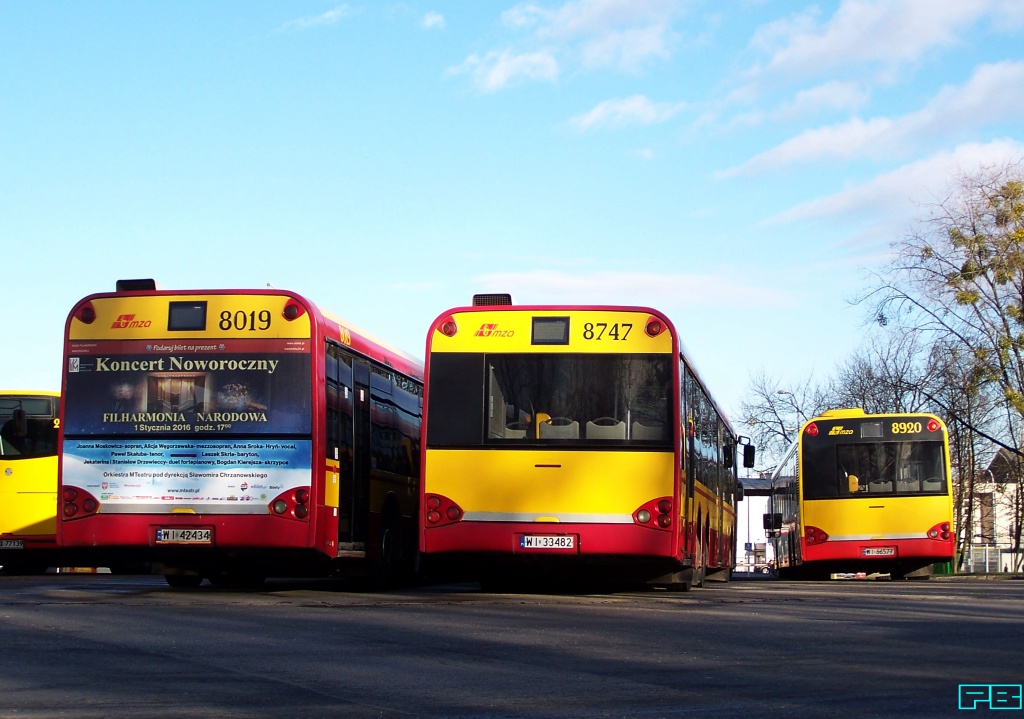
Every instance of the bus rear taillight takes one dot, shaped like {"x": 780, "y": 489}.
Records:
{"x": 293, "y": 310}
{"x": 448, "y": 328}
{"x": 933, "y": 425}
{"x": 939, "y": 532}
{"x": 293, "y": 504}
{"x": 654, "y": 327}
{"x": 441, "y": 511}
{"x": 813, "y": 535}
{"x": 77, "y": 503}
{"x": 656, "y": 514}
{"x": 86, "y": 313}
{"x": 811, "y": 430}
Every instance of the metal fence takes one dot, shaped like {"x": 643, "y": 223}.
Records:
{"x": 991, "y": 559}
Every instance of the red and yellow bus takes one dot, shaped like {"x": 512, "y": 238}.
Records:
{"x": 573, "y": 441}
{"x": 29, "y": 425}
{"x": 863, "y": 493}
{"x": 234, "y": 435}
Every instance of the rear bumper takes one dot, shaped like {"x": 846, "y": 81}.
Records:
{"x": 588, "y": 539}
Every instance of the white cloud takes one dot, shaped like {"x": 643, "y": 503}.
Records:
{"x": 495, "y": 71}
{"x": 1008, "y": 16}
{"x": 594, "y": 18}
{"x": 328, "y": 18}
{"x": 989, "y": 96}
{"x": 592, "y": 34}
{"x": 884, "y": 32}
{"x": 627, "y": 49}
{"x": 984, "y": 99}
{"x": 832, "y": 95}
{"x": 433, "y": 21}
{"x": 893, "y": 197}
{"x": 643, "y": 288}
{"x": 525, "y": 15}
{"x": 633, "y": 110}
{"x": 612, "y": 33}
{"x": 845, "y": 140}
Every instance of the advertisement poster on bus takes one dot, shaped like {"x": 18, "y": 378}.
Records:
{"x": 231, "y": 388}
{"x": 225, "y": 476}
{"x": 222, "y": 425}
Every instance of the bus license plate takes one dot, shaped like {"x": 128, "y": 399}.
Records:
{"x": 184, "y": 536}
{"x": 12, "y": 543}
{"x": 547, "y": 541}
{"x": 878, "y": 551}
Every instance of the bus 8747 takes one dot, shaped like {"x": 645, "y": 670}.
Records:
{"x": 573, "y": 441}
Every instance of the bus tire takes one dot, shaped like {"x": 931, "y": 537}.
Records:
{"x": 24, "y": 569}
{"x": 184, "y": 580}
{"x": 237, "y": 579}
{"x": 388, "y": 566}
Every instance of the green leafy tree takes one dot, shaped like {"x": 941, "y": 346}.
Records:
{"x": 959, "y": 281}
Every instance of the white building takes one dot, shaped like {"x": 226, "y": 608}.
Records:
{"x": 996, "y": 512}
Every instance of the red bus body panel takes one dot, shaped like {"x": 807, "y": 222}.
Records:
{"x": 126, "y": 533}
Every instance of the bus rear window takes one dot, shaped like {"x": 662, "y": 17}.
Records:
{"x": 518, "y": 399}
{"x": 874, "y": 468}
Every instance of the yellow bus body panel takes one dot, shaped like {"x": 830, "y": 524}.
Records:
{"x": 28, "y": 496}
{"x": 877, "y": 517}
{"x": 28, "y": 489}
{"x": 134, "y": 317}
{"x": 510, "y": 330}
{"x": 549, "y": 486}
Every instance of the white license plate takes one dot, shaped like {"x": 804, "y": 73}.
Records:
{"x": 184, "y": 536}
{"x": 878, "y": 551}
{"x": 545, "y": 541}
{"x": 12, "y": 543}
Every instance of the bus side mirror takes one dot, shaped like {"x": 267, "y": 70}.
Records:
{"x": 772, "y": 522}
{"x": 739, "y": 491}
{"x": 728, "y": 453}
{"x": 748, "y": 455}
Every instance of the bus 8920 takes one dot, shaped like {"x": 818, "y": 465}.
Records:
{"x": 864, "y": 493}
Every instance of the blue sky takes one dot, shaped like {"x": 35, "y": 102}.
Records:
{"x": 742, "y": 166}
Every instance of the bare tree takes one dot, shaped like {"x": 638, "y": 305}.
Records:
{"x": 887, "y": 375}
{"x": 774, "y": 412}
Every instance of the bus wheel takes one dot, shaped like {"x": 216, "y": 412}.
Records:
{"x": 388, "y": 570}
{"x": 24, "y": 569}
{"x": 237, "y": 579}
{"x": 493, "y": 581}
{"x": 184, "y": 580}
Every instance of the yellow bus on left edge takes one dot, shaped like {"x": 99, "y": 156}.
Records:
{"x": 29, "y": 425}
